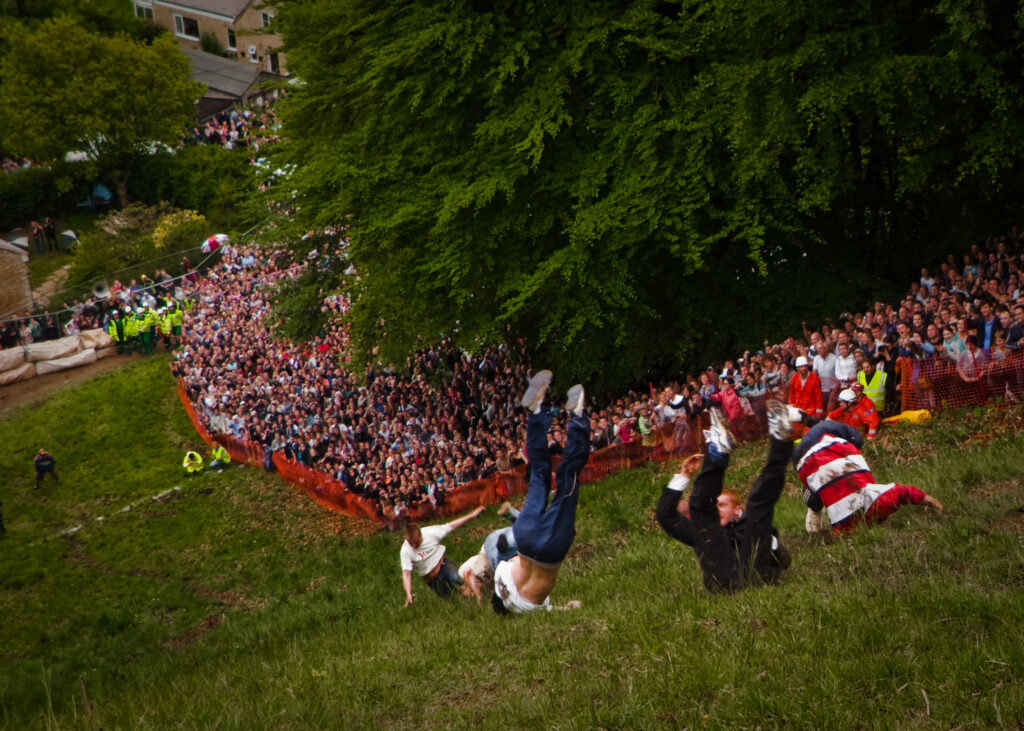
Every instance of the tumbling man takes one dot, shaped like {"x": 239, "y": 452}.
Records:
{"x": 423, "y": 552}
{"x": 836, "y": 478}
{"x": 733, "y": 545}
{"x": 544, "y": 533}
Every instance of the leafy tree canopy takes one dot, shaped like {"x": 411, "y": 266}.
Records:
{"x": 66, "y": 89}
{"x": 645, "y": 183}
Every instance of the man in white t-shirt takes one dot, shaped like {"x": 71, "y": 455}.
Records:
{"x": 423, "y": 553}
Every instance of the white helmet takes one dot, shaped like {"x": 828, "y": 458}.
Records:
{"x": 848, "y": 395}
{"x": 802, "y": 361}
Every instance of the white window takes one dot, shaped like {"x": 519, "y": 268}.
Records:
{"x": 186, "y": 27}
{"x": 141, "y": 11}
{"x": 232, "y": 43}
{"x": 253, "y": 55}
{"x": 267, "y": 18}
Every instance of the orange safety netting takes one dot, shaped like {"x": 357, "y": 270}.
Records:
{"x": 937, "y": 384}
{"x": 923, "y": 384}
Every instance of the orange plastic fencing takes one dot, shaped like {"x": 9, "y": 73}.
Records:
{"x": 938, "y": 383}
{"x": 923, "y": 384}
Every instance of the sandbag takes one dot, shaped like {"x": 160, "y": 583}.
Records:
{"x": 97, "y": 339}
{"x": 82, "y": 358}
{"x": 11, "y": 358}
{"x": 20, "y": 373}
{"x": 106, "y": 352}
{"x": 53, "y": 349}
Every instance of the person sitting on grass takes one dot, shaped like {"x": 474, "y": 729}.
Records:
{"x": 219, "y": 457}
{"x": 193, "y": 463}
{"x": 45, "y": 464}
{"x": 544, "y": 533}
{"x": 734, "y": 545}
{"x": 423, "y": 552}
{"x": 500, "y": 545}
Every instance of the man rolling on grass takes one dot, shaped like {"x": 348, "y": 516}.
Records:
{"x": 735, "y": 546}
{"x": 837, "y": 479}
{"x": 544, "y": 533}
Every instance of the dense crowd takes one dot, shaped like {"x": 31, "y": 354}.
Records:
{"x": 13, "y": 164}
{"x": 451, "y": 416}
{"x": 93, "y": 312}
{"x": 238, "y": 128}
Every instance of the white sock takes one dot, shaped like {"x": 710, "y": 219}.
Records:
{"x": 678, "y": 483}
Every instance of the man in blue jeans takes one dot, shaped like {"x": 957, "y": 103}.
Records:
{"x": 544, "y": 533}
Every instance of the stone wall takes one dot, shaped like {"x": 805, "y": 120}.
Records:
{"x": 15, "y": 293}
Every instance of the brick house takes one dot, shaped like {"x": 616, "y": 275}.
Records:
{"x": 237, "y": 25}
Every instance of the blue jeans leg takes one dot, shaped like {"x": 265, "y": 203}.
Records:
{"x": 547, "y": 536}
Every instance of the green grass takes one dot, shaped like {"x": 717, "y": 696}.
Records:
{"x": 238, "y": 603}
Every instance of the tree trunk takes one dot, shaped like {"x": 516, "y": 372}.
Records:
{"x": 121, "y": 186}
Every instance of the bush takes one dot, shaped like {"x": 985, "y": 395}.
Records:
{"x": 209, "y": 43}
{"x": 197, "y": 177}
{"x": 177, "y": 228}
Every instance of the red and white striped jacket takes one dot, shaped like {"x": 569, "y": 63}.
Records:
{"x": 835, "y": 470}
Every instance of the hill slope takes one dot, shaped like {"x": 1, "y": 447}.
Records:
{"x": 235, "y": 602}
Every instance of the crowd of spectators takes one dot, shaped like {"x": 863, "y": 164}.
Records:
{"x": 95, "y": 311}
{"x": 13, "y": 164}
{"x": 247, "y": 127}
{"x": 402, "y": 437}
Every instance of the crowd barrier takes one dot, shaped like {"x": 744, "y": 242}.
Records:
{"x": 923, "y": 384}
{"x": 937, "y": 384}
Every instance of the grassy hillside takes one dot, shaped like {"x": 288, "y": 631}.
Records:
{"x": 234, "y": 602}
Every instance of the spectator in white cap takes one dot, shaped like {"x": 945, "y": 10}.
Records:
{"x": 805, "y": 389}
{"x": 856, "y": 410}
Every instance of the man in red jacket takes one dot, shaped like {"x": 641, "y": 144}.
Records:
{"x": 856, "y": 410}
{"x": 805, "y": 391}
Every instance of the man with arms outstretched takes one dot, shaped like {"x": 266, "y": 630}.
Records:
{"x": 544, "y": 533}
{"x": 423, "y": 552}
{"x": 734, "y": 546}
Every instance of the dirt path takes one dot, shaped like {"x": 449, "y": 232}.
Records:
{"x": 38, "y": 389}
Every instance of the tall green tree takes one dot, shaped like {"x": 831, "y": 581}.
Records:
{"x": 65, "y": 89}
{"x": 645, "y": 183}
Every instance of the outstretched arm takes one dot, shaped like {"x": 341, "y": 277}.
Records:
{"x": 459, "y": 522}
{"x": 667, "y": 513}
{"x": 407, "y": 584}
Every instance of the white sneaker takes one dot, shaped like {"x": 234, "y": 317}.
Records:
{"x": 780, "y": 419}
{"x": 534, "y": 395}
{"x": 720, "y": 436}
{"x": 576, "y": 401}
{"x": 813, "y": 521}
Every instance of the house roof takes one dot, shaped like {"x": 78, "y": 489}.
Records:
{"x": 222, "y": 74}
{"x": 226, "y": 8}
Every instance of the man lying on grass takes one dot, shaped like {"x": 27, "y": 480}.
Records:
{"x": 735, "y": 546}
{"x": 544, "y": 533}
